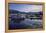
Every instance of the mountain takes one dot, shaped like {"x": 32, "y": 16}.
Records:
{"x": 13, "y": 11}
{"x": 35, "y": 12}
{"x": 16, "y": 11}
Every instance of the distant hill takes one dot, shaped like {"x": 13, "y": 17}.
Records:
{"x": 13, "y": 11}
{"x": 16, "y": 11}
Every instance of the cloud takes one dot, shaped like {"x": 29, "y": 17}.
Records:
{"x": 26, "y": 7}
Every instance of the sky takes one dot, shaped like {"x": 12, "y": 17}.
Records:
{"x": 25, "y": 7}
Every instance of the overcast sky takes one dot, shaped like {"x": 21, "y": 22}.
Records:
{"x": 25, "y": 7}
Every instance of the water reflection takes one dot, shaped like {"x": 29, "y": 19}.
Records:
{"x": 25, "y": 24}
